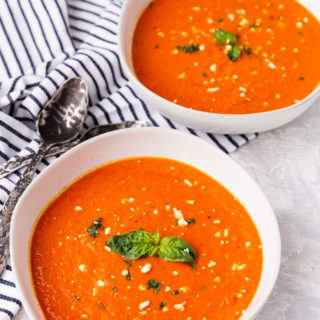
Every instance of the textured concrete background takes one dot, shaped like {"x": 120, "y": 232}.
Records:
{"x": 286, "y": 164}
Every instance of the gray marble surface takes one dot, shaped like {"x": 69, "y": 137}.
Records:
{"x": 286, "y": 164}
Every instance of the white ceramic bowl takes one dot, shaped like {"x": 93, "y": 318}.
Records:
{"x": 126, "y": 143}
{"x": 211, "y": 122}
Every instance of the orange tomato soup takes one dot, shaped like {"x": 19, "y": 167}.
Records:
{"x": 76, "y": 276}
{"x": 176, "y": 55}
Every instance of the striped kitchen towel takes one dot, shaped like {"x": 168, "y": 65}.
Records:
{"x": 43, "y": 43}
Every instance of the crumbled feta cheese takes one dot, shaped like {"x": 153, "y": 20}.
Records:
{"x": 213, "y": 67}
{"x": 144, "y": 304}
{"x": 146, "y": 268}
{"x": 211, "y": 264}
{"x": 231, "y": 16}
{"x": 187, "y": 182}
{"x": 213, "y": 89}
{"x": 236, "y": 266}
{"x": 100, "y": 283}
{"x": 124, "y": 272}
{"x": 82, "y": 267}
{"x": 180, "y": 306}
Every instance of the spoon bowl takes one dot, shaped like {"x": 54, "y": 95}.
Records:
{"x": 62, "y": 117}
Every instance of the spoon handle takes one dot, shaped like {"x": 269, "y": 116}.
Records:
{"x": 16, "y": 163}
{"x": 8, "y": 207}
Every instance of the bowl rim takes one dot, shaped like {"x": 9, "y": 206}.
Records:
{"x": 179, "y": 108}
{"x": 216, "y": 152}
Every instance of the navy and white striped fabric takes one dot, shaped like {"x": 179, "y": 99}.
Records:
{"x": 43, "y": 43}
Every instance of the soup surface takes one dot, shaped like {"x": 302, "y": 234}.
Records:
{"x": 76, "y": 275}
{"x": 178, "y": 54}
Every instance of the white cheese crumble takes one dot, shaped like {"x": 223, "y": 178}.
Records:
{"x": 271, "y": 65}
{"x": 144, "y": 304}
{"x": 124, "y": 272}
{"x": 180, "y": 306}
{"x": 231, "y": 16}
{"x": 211, "y": 264}
{"x": 213, "y": 67}
{"x": 213, "y": 89}
{"x": 100, "y": 283}
{"x": 179, "y": 216}
{"x": 82, "y": 267}
{"x": 146, "y": 268}
{"x": 238, "y": 266}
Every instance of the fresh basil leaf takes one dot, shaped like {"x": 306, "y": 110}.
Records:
{"x": 225, "y": 37}
{"x": 176, "y": 249}
{"x": 135, "y": 244}
{"x": 141, "y": 244}
{"x": 234, "y": 53}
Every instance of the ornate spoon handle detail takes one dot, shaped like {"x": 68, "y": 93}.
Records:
{"x": 7, "y": 210}
{"x": 17, "y": 163}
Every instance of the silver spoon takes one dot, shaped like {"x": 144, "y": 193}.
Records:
{"x": 59, "y": 121}
{"x": 16, "y": 163}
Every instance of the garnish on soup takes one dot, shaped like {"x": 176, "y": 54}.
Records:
{"x": 142, "y": 244}
{"x": 228, "y": 56}
{"x": 127, "y": 272}
{"x": 95, "y": 226}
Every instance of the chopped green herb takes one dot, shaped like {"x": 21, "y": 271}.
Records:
{"x": 203, "y": 287}
{"x": 252, "y": 25}
{"x": 225, "y": 37}
{"x": 77, "y": 298}
{"x": 129, "y": 263}
{"x": 95, "y": 226}
{"x": 150, "y": 4}
{"x": 191, "y": 221}
{"x": 175, "y": 293}
{"x": 156, "y": 46}
{"x": 204, "y": 74}
{"x": 162, "y": 304}
{"x": 247, "y": 50}
{"x": 228, "y": 38}
{"x": 301, "y": 33}
{"x": 301, "y": 78}
{"x": 153, "y": 284}
{"x": 234, "y": 53}
{"x": 101, "y": 305}
{"x": 272, "y": 18}
{"x": 220, "y": 19}
{"x": 115, "y": 289}
{"x": 142, "y": 244}
{"x": 189, "y": 49}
